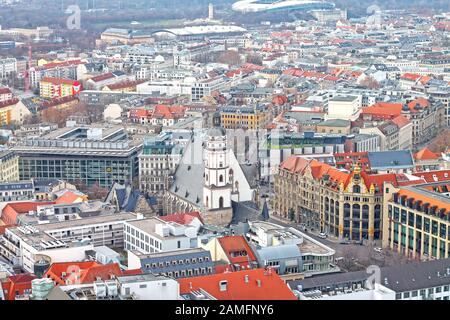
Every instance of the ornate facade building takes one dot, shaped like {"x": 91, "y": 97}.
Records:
{"x": 345, "y": 205}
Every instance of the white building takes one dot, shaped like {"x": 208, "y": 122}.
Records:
{"x": 344, "y": 107}
{"x": 133, "y": 287}
{"x": 363, "y": 293}
{"x": 63, "y": 241}
{"x": 27, "y": 246}
{"x": 149, "y": 287}
{"x": 167, "y": 87}
{"x": 156, "y": 235}
{"x": 8, "y": 67}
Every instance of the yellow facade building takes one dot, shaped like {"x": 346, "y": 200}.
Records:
{"x": 9, "y": 167}
{"x": 58, "y": 87}
{"x": 247, "y": 118}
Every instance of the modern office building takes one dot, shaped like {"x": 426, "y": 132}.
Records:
{"x": 417, "y": 220}
{"x": 156, "y": 235}
{"x": 83, "y": 155}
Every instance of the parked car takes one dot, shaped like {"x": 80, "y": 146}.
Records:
{"x": 323, "y": 235}
{"x": 378, "y": 249}
{"x": 344, "y": 242}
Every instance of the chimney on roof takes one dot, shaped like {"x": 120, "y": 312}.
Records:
{"x": 258, "y": 283}
{"x": 246, "y": 278}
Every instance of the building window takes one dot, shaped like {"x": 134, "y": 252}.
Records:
{"x": 221, "y": 202}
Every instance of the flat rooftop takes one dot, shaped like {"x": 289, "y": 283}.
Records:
{"x": 168, "y": 253}
{"x": 149, "y": 226}
{"x": 101, "y": 219}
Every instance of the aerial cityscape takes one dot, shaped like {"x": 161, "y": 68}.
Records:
{"x": 224, "y": 150}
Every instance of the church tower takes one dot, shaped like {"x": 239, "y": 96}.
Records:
{"x": 217, "y": 187}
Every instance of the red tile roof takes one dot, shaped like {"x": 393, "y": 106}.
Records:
{"x": 53, "y": 65}
{"x": 9, "y": 102}
{"x": 417, "y": 196}
{"x": 298, "y": 165}
{"x": 102, "y": 77}
{"x": 69, "y": 197}
{"x": 279, "y": 100}
{"x": 124, "y": 84}
{"x": 401, "y": 121}
{"x": 5, "y": 91}
{"x": 17, "y": 284}
{"x": 434, "y": 176}
{"x": 233, "y": 246}
{"x": 140, "y": 113}
{"x": 182, "y": 218}
{"x": 256, "y": 284}
{"x": 410, "y": 76}
{"x": 12, "y": 210}
{"x": 81, "y": 272}
{"x": 168, "y": 112}
{"x": 58, "y": 101}
{"x": 59, "y": 81}
{"x": 426, "y": 154}
{"x": 383, "y": 110}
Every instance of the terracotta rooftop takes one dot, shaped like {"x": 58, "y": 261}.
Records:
{"x": 256, "y": 284}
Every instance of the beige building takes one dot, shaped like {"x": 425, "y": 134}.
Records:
{"x": 9, "y": 166}
{"x": 334, "y": 126}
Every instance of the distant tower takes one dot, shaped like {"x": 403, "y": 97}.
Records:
{"x": 211, "y": 11}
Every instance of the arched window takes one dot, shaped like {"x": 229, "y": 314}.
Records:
{"x": 347, "y": 210}
{"x": 207, "y": 202}
{"x": 356, "y": 189}
{"x": 221, "y": 178}
{"x": 221, "y": 202}
{"x": 356, "y": 211}
{"x": 236, "y": 186}
{"x": 206, "y": 178}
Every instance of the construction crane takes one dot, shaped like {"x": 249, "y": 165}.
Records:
{"x": 35, "y": 45}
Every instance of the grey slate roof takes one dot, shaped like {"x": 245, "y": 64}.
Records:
{"x": 399, "y": 278}
{"x": 279, "y": 252}
{"x": 400, "y": 159}
{"x": 244, "y": 211}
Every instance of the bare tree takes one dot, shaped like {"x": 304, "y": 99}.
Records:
{"x": 370, "y": 83}
{"x": 97, "y": 192}
{"x": 230, "y": 57}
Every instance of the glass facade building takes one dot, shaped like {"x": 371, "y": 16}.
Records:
{"x": 106, "y": 159}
